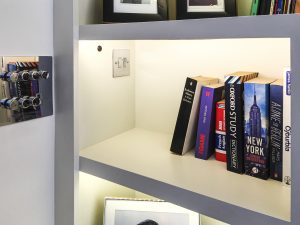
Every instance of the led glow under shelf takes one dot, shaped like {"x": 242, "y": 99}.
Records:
{"x": 146, "y": 154}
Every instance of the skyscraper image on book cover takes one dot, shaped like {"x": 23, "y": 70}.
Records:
{"x": 257, "y": 97}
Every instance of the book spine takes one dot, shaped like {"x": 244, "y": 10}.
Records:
{"x": 203, "y": 131}
{"x": 276, "y": 134}
{"x": 287, "y": 128}
{"x": 261, "y": 8}
{"x": 183, "y": 116}
{"x": 290, "y": 9}
{"x": 220, "y": 148}
{"x": 255, "y": 7}
{"x": 257, "y": 98}
{"x": 293, "y": 6}
{"x": 283, "y": 6}
{"x": 275, "y": 7}
{"x": 280, "y": 7}
{"x": 272, "y": 6}
{"x": 297, "y": 7}
{"x": 264, "y": 8}
{"x": 234, "y": 124}
{"x": 3, "y": 95}
{"x": 286, "y": 8}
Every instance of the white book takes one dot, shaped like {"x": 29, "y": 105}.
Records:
{"x": 272, "y": 7}
{"x": 286, "y": 165}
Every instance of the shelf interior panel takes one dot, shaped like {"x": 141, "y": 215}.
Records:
{"x": 146, "y": 153}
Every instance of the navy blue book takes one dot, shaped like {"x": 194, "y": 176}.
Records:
{"x": 276, "y": 128}
{"x": 205, "y": 142}
{"x": 257, "y": 114}
{"x": 280, "y": 7}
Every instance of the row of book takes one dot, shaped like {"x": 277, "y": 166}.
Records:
{"x": 270, "y": 7}
{"x": 245, "y": 121}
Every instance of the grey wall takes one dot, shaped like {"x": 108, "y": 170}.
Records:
{"x": 27, "y": 148}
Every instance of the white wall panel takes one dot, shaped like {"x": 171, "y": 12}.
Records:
{"x": 162, "y": 67}
{"x": 106, "y": 104}
{"x": 27, "y": 148}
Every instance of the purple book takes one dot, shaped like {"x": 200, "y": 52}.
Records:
{"x": 205, "y": 143}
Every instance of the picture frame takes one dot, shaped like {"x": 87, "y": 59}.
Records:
{"x": 122, "y": 11}
{"x": 134, "y": 211}
{"x": 194, "y": 9}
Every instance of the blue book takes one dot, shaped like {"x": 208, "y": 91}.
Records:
{"x": 280, "y": 7}
{"x": 256, "y": 128}
{"x": 184, "y": 136}
{"x": 276, "y": 129}
{"x": 205, "y": 142}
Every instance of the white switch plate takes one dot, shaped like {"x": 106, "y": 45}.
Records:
{"x": 121, "y": 62}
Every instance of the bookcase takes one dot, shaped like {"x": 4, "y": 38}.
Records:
{"x": 139, "y": 158}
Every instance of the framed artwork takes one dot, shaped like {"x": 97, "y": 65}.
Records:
{"x": 25, "y": 88}
{"x": 193, "y": 9}
{"x": 134, "y": 10}
{"x": 146, "y": 212}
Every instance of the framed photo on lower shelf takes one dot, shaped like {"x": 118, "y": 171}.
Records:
{"x": 193, "y": 9}
{"x": 145, "y": 212}
{"x": 134, "y": 10}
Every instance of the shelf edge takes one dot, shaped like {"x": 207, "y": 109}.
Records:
{"x": 277, "y": 26}
{"x": 210, "y": 207}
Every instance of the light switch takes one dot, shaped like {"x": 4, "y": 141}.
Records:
{"x": 121, "y": 62}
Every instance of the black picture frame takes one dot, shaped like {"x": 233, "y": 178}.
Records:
{"x": 109, "y": 16}
{"x": 182, "y": 11}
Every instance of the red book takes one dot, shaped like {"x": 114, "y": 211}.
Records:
{"x": 220, "y": 132}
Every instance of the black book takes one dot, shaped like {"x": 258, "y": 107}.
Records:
{"x": 276, "y": 129}
{"x": 184, "y": 137}
{"x": 292, "y": 6}
{"x": 264, "y": 8}
{"x": 234, "y": 105}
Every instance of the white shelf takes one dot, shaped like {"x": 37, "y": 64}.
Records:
{"x": 144, "y": 153}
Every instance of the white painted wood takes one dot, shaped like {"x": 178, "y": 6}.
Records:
{"x": 27, "y": 173}
{"x": 27, "y": 148}
{"x": 150, "y": 97}
{"x": 26, "y": 27}
{"x": 90, "y": 11}
{"x": 106, "y": 104}
{"x": 162, "y": 67}
{"x": 92, "y": 192}
{"x": 205, "y": 220}
{"x": 154, "y": 93}
{"x": 146, "y": 153}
